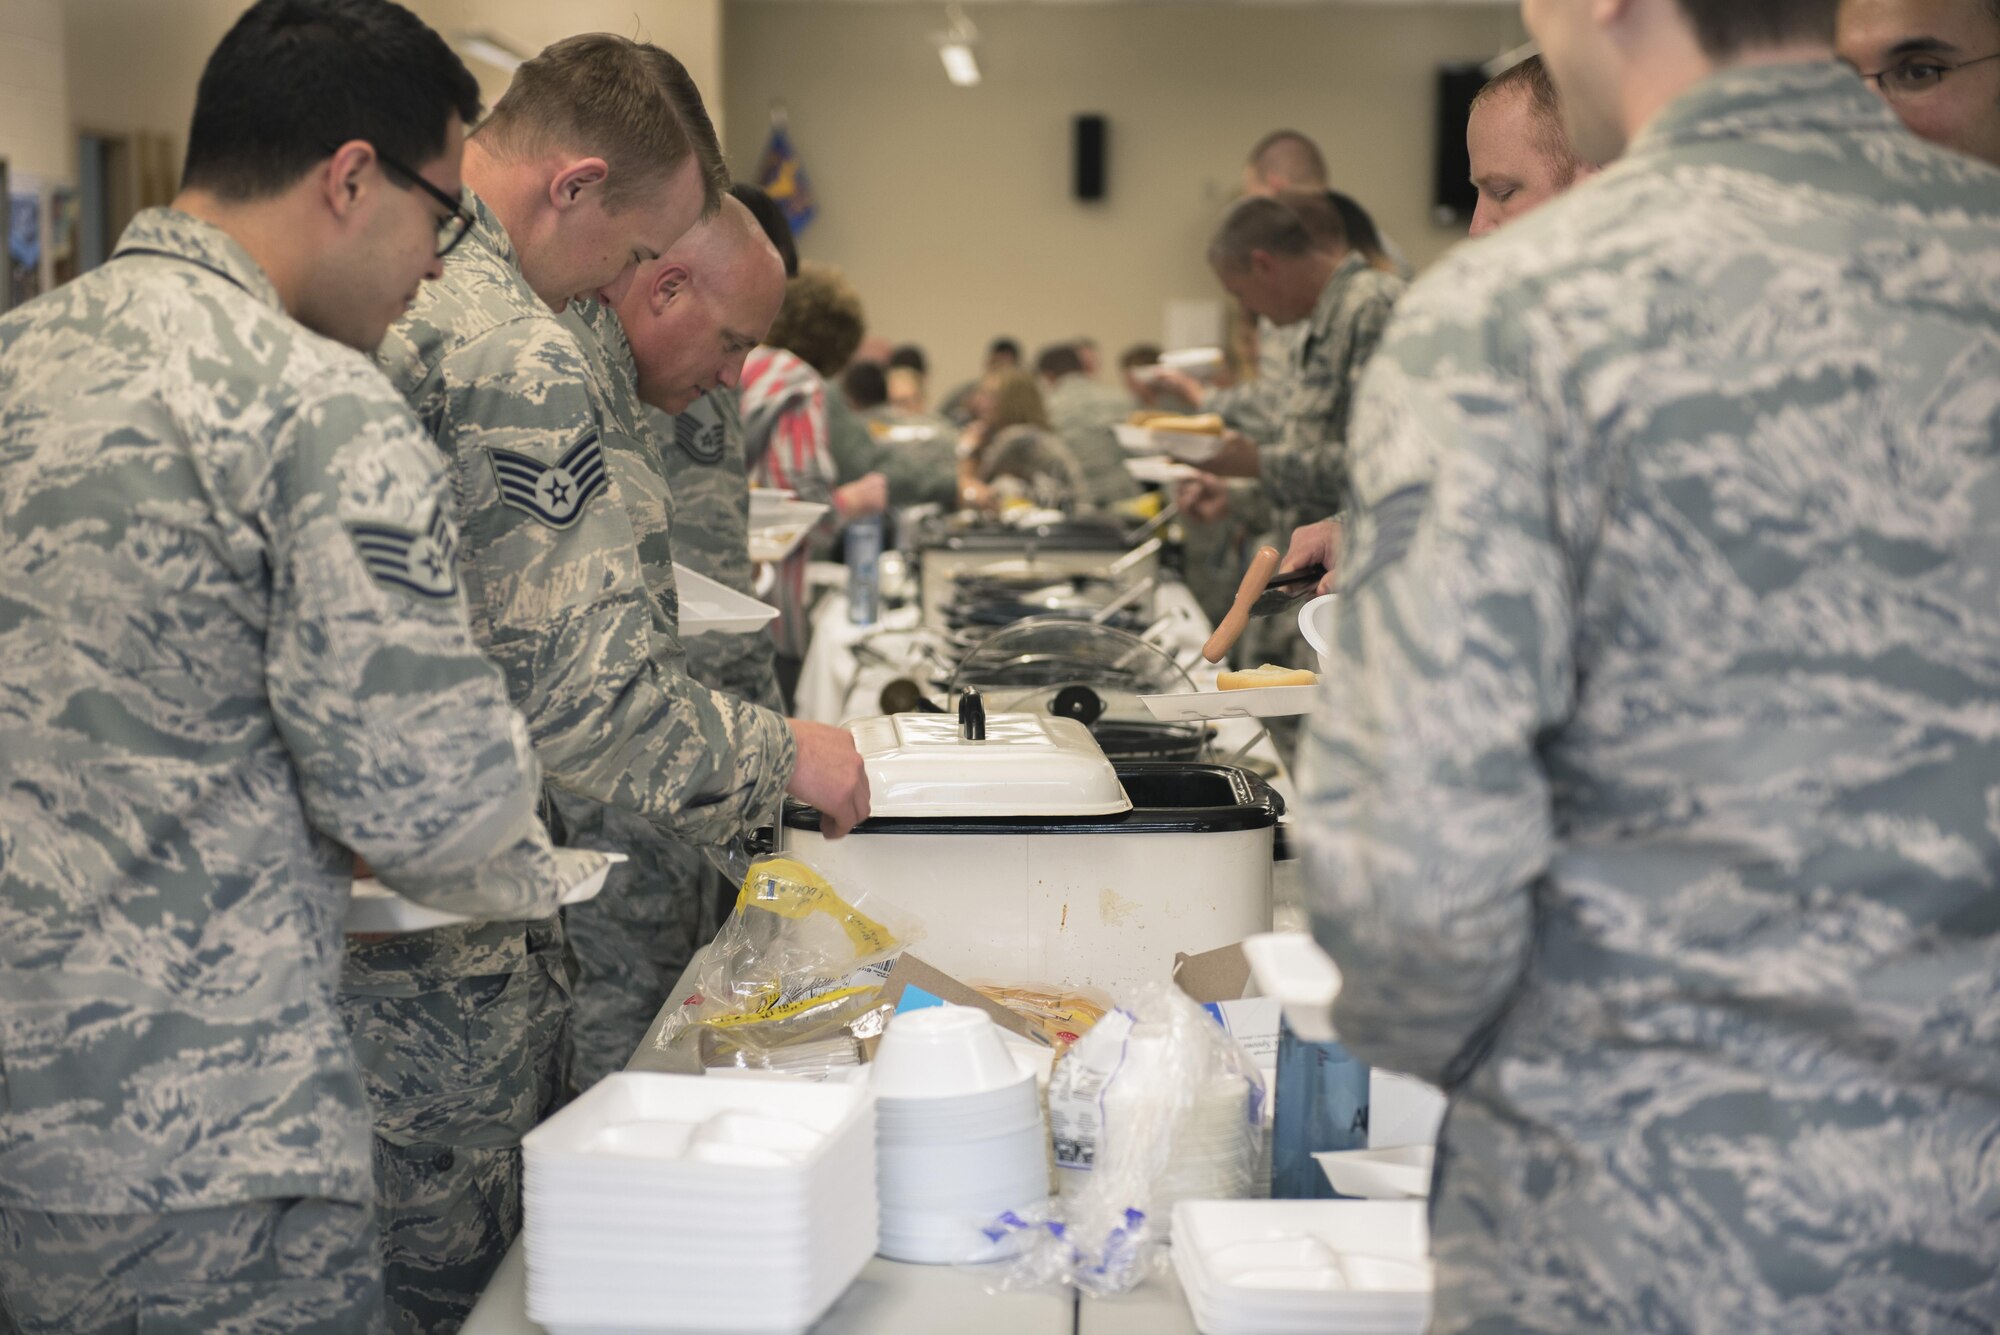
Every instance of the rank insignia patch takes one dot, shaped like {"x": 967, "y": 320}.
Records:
{"x": 421, "y": 563}
{"x": 703, "y": 444}
{"x": 554, "y": 494}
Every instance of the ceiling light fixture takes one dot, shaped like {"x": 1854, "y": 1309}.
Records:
{"x": 955, "y": 48}
{"x": 490, "y": 48}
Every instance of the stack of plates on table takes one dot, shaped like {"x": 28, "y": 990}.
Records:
{"x": 959, "y": 1136}
{"x": 1304, "y": 1267}
{"x": 680, "y": 1203}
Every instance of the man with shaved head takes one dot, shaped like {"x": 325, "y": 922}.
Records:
{"x": 677, "y": 335}
{"x": 1519, "y": 151}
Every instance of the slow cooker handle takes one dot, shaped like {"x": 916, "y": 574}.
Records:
{"x": 971, "y": 716}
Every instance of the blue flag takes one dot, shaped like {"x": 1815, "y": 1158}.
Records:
{"x": 783, "y": 178}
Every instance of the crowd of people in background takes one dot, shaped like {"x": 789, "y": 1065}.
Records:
{"x": 1649, "y": 811}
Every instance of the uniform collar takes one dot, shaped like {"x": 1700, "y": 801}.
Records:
{"x": 164, "y": 231}
{"x": 488, "y": 234}
{"x": 1821, "y": 96}
{"x": 1323, "y": 310}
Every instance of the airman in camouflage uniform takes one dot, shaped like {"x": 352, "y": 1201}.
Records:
{"x": 582, "y": 625}
{"x": 918, "y": 455}
{"x": 463, "y": 1032}
{"x": 1083, "y": 412}
{"x": 696, "y": 311}
{"x": 1652, "y": 811}
{"x": 233, "y": 647}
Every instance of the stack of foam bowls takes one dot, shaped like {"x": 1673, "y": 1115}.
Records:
{"x": 959, "y": 1136}
{"x": 1304, "y": 1267}
{"x": 683, "y": 1203}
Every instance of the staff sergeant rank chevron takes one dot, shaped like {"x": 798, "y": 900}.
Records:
{"x": 554, "y": 495}
{"x": 421, "y": 563}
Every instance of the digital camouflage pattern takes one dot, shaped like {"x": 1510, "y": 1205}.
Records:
{"x": 701, "y": 456}
{"x": 1083, "y": 412}
{"x": 630, "y": 944}
{"x": 1256, "y": 406}
{"x": 285, "y": 1267}
{"x": 1305, "y": 471}
{"x": 919, "y": 455}
{"x": 231, "y": 649}
{"x": 561, "y": 600}
{"x": 1655, "y": 811}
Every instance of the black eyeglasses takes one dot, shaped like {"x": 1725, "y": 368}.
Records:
{"x": 1914, "y": 78}
{"x": 452, "y": 230}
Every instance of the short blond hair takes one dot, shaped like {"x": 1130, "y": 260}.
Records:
{"x": 1530, "y": 79}
{"x": 628, "y": 102}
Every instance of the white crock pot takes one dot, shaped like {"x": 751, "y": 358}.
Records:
{"x": 1030, "y": 859}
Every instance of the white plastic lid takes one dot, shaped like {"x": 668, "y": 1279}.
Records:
{"x": 1026, "y": 765}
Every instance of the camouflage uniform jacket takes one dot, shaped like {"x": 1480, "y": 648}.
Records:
{"x": 919, "y": 455}
{"x": 1083, "y": 413}
{"x": 553, "y": 567}
{"x": 231, "y": 647}
{"x": 1306, "y": 471}
{"x": 700, "y": 454}
{"x": 1257, "y": 407}
{"x": 1652, "y": 808}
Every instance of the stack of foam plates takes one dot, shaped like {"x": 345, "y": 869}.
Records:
{"x": 959, "y": 1137}
{"x": 1304, "y": 1267}
{"x": 682, "y": 1203}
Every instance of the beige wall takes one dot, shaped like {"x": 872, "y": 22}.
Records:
{"x": 133, "y": 64}
{"x": 950, "y": 207}
{"x": 34, "y": 117}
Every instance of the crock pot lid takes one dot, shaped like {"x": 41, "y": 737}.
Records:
{"x": 1026, "y": 765}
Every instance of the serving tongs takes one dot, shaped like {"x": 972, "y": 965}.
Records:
{"x": 1287, "y": 591}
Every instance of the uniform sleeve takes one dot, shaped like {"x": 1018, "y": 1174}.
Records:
{"x": 1427, "y": 806}
{"x": 1255, "y": 407}
{"x": 1308, "y": 468}
{"x": 552, "y": 569}
{"x": 407, "y": 749}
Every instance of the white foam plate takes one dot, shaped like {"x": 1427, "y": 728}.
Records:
{"x": 1158, "y": 468}
{"x": 712, "y": 608}
{"x": 1257, "y": 702}
{"x": 777, "y": 530}
{"x": 373, "y": 907}
{"x": 1398, "y": 1172}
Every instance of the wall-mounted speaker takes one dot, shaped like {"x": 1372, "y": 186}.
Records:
{"x": 1089, "y": 136}
{"x": 1452, "y": 195}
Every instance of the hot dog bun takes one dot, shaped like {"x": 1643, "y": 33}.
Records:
{"x": 1202, "y": 424}
{"x": 1270, "y": 674}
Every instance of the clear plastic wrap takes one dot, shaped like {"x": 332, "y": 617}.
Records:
{"x": 1156, "y": 1103}
{"x": 792, "y": 981}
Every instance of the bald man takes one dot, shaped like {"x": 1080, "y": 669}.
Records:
{"x": 1935, "y": 62}
{"x": 678, "y": 331}
{"x": 1519, "y": 151}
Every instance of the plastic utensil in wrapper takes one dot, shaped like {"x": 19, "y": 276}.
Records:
{"x": 1155, "y": 1103}
{"x": 793, "y": 980}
